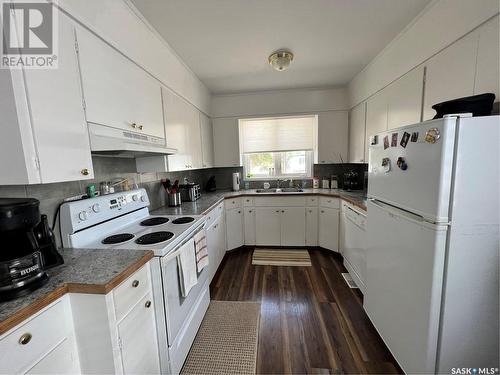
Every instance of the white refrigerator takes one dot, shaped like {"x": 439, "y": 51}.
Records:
{"x": 432, "y": 283}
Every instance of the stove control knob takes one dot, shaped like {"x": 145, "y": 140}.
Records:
{"x": 96, "y": 207}
{"x": 135, "y": 197}
{"x": 143, "y": 198}
{"x": 83, "y": 215}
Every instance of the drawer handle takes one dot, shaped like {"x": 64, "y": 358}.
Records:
{"x": 239, "y": 211}
{"x": 135, "y": 283}
{"x": 26, "y": 338}
{"x": 282, "y": 211}
{"x": 85, "y": 171}
{"x": 147, "y": 304}
{"x": 322, "y": 211}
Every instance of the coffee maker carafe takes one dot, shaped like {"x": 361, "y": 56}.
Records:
{"x": 21, "y": 261}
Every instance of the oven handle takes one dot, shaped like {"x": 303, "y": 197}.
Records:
{"x": 174, "y": 253}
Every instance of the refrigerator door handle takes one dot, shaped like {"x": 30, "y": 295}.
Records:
{"x": 398, "y": 212}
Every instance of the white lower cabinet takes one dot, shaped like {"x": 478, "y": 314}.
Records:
{"x": 216, "y": 244}
{"x": 44, "y": 343}
{"x": 312, "y": 226}
{"x": 267, "y": 226}
{"x": 249, "y": 225}
{"x": 63, "y": 359}
{"x": 137, "y": 339}
{"x": 328, "y": 233}
{"x": 117, "y": 332}
{"x": 234, "y": 228}
{"x": 293, "y": 226}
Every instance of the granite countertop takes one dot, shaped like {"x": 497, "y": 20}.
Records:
{"x": 83, "y": 271}
{"x": 207, "y": 201}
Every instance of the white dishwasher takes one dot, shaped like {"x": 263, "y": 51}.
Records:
{"x": 354, "y": 246}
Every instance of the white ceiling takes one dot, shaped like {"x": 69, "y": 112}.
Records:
{"x": 226, "y": 42}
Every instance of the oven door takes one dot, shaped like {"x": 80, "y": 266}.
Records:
{"x": 178, "y": 308}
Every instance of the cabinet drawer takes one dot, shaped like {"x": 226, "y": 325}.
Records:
{"x": 248, "y": 201}
{"x": 280, "y": 201}
{"x": 312, "y": 201}
{"x": 130, "y": 291}
{"x": 329, "y": 202}
{"x": 232, "y": 203}
{"x": 41, "y": 334}
{"x": 214, "y": 214}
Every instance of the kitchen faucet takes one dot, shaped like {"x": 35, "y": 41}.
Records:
{"x": 278, "y": 181}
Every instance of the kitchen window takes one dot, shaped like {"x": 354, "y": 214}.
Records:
{"x": 278, "y": 147}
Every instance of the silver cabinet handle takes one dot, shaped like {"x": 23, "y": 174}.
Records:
{"x": 133, "y": 125}
{"x": 147, "y": 304}
{"x": 25, "y": 338}
{"x": 85, "y": 171}
{"x": 135, "y": 283}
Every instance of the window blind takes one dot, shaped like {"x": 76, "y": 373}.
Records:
{"x": 277, "y": 134}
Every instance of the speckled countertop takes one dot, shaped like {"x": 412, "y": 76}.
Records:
{"x": 83, "y": 271}
{"x": 210, "y": 200}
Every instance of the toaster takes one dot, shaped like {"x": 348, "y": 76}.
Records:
{"x": 190, "y": 192}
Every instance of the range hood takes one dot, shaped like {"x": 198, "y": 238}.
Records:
{"x": 108, "y": 141}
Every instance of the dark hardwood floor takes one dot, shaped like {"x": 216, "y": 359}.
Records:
{"x": 311, "y": 321}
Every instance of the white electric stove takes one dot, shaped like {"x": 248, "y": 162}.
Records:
{"x": 122, "y": 221}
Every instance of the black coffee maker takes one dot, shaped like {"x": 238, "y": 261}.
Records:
{"x": 27, "y": 247}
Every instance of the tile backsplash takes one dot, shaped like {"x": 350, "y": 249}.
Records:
{"x": 113, "y": 169}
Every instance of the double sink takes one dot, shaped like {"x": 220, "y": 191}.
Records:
{"x": 280, "y": 190}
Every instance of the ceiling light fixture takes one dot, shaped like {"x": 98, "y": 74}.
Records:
{"x": 280, "y": 60}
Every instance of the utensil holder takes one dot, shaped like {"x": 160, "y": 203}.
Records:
{"x": 174, "y": 199}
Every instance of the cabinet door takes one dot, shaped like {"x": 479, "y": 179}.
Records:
{"x": 249, "y": 223}
{"x": 234, "y": 228}
{"x": 404, "y": 102}
{"x": 293, "y": 226}
{"x": 182, "y": 128}
{"x": 207, "y": 141}
{"x": 268, "y": 226}
{"x": 376, "y": 117}
{"x": 329, "y": 228}
{"x": 450, "y": 74}
{"x": 58, "y": 119}
{"x": 312, "y": 226}
{"x": 333, "y": 134}
{"x": 488, "y": 60}
{"x": 63, "y": 359}
{"x": 138, "y": 340}
{"x": 226, "y": 142}
{"x": 213, "y": 250}
{"x": 357, "y": 134}
{"x": 221, "y": 238}
{"x": 117, "y": 92}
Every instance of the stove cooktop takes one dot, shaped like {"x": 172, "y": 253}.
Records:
{"x": 149, "y": 232}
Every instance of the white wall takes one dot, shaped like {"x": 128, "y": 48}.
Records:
{"x": 122, "y": 26}
{"x": 439, "y": 25}
{"x": 279, "y": 102}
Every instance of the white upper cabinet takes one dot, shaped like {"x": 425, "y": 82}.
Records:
{"x": 182, "y": 127}
{"x": 45, "y": 137}
{"x": 488, "y": 75}
{"x": 118, "y": 93}
{"x": 207, "y": 141}
{"x": 226, "y": 142}
{"x": 333, "y": 130}
{"x": 450, "y": 74}
{"x": 376, "y": 117}
{"x": 357, "y": 123}
{"x": 404, "y": 99}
